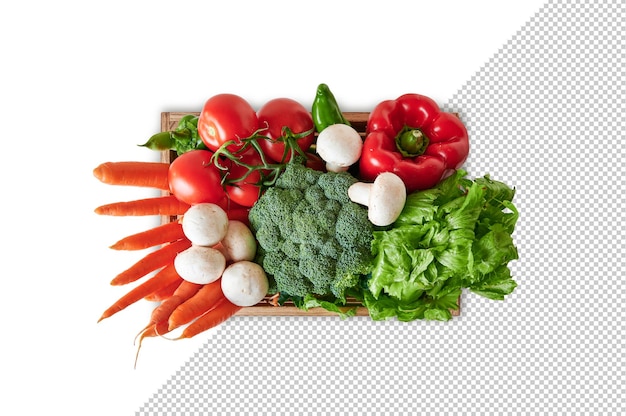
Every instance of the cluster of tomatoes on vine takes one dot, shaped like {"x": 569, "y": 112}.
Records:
{"x": 245, "y": 150}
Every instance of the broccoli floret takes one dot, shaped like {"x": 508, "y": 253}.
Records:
{"x": 306, "y": 228}
{"x": 332, "y": 249}
{"x": 284, "y": 277}
{"x": 312, "y": 238}
{"x": 356, "y": 260}
{"x": 295, "y": 178}
{"x": 351, "y": 220}
{"x": 270, "y": 238}
{"x": 314, "y": 194}
{"x": 291, "y": 249}
{"x": 335, "y": 186}
{"x": 318, "y": 270}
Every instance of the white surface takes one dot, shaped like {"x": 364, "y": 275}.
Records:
{"x": 83, "y": 84}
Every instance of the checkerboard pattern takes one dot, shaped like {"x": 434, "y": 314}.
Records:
{"x": 546, "y": 115}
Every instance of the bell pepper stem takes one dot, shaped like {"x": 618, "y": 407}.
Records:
{"x": 411, "y": 142}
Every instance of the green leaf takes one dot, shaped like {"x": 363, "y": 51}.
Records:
{"x": 419, "y": 208}
{"x": 496, "y": 193}
{"x": 459, "y": 257}
{"x": 452, "y": 187}
{"x": 509, "y": 219}
{"x": 456, "y": 235}
{"x": 392, "y": 264}
{"x": 385, "y": 307}
{"x": 411, "y": 236}
{"x": 186, "y": 136}
{"x": 437, "y": 314}
{"x": 467, "y": 213}
{"x": 495, "y": 285}
{"x": 309, "y": 301}
{"x": 493, "y": 249}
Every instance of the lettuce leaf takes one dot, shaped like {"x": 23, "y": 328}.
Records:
{"x": 310, "y": 301}
{"x": 454, "y": 236}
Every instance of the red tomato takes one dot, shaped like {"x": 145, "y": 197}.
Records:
{"x": 279, "y": 113}
{"x": 315, "y": 162}
{"x": 226, "y": 117}
{"x": 234, "y": 210}
{"x": 247, "y": 191}
{"x": 194, "y": 178}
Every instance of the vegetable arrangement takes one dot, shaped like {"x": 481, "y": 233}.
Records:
{"x": 300, "y": 206}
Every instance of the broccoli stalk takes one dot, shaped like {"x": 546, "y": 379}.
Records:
{"x": 312, "y": 239}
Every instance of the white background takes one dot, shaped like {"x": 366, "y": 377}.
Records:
{"x": 82, "y": 84}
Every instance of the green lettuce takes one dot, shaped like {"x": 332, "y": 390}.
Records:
{"x": 454, "y": 236}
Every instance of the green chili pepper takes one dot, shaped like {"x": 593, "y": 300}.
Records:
{"x": 160, "y": 141}
{"x": 183, "y": 139}
{"x": 325, "y": 110}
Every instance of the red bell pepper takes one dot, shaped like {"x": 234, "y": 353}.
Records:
{"x": 414, "y": 139}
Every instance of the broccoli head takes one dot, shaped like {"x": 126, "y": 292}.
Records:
{"x": 312, "y": 238}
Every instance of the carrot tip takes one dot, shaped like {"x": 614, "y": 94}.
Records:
{"x": 141, "y": 334}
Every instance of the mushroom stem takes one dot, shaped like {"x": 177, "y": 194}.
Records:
{"x": 360, "y": 193}
{"x": 340, "y": 146}
{"x": 334, "y": 167}
{"x": 385, "y": 198}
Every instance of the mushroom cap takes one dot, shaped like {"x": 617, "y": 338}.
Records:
{"x": 205, "y": 224}
{"x": 387, "y": 198}
{"x": 340, "y": 146}
{"x": 244, "y": 283}
{"x": 201, "y": 265}
{"x": 239, "y": 243}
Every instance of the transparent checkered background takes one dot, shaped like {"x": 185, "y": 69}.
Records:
{"x": 546, "y": 115}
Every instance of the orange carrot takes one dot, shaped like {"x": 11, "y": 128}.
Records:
{"x": 184, "y": 291}
{"x": 164, "y": 293}
{"x": 151, "y": 262}
{"x": 202, "y": 301}
{"x": 159, "y": 324}
{"x": 220, "y": 313}
{"x": 164, "y": 277}
{"x": 145, "y": 174}
{"x": 154, "y": 330}
{"x": 166, "y": 233}
{"x": 151, "y": 330}
{"x": 160, "y": 205}
{"x": 160, "y": 314}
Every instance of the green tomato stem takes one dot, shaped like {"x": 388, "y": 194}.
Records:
{"x": 269, "y": 172}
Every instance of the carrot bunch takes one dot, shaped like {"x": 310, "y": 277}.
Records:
{"x": 199, "y": 307}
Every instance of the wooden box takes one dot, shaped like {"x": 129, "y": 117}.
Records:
{"x": 358, "y": 120}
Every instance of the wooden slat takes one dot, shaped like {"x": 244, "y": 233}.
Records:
{"x": 358, "y": 120}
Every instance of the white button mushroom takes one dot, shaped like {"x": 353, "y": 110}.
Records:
{"x": 340, "y": 146}
{"x": 219, "y": 247}
{"x": 239, "y": 242}
{"x": 244, "y": 283}
{"x": 385, "y": 198}
{"x": 200, "y": 264}
{"x": 205, "y": 224}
